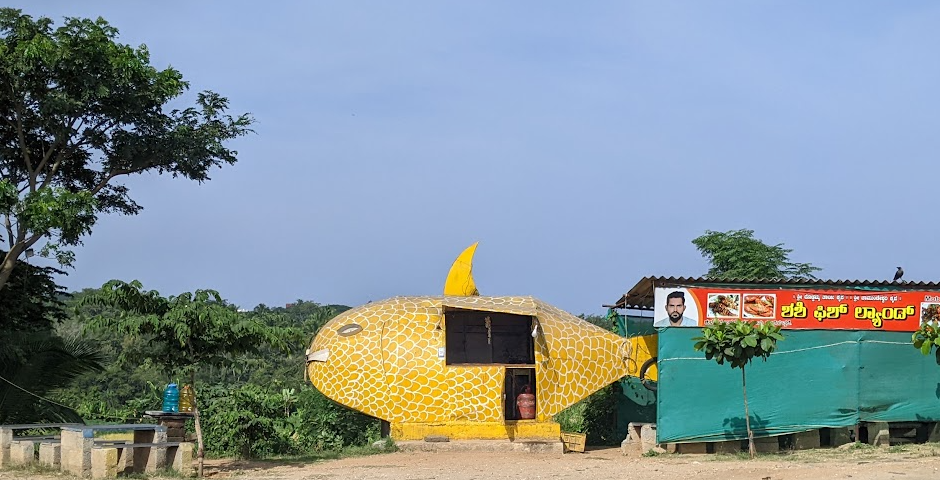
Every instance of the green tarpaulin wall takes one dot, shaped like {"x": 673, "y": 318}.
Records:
{"x": 816, "y": 379}
{"x": 637, "y": 404}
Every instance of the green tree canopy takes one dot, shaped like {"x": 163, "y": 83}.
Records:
{"x": 185, "y": 332}
{"x": 78, "y": 111}
{"x": 32, "y": 300}
{"x": 737, "y": 254}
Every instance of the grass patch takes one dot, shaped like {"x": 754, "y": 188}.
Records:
{"x": 742, "y": 455}
{"x": 33, "y": 469}
{"x": 387, "y": 446}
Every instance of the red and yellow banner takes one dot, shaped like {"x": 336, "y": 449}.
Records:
{"x": 797, "y": 309}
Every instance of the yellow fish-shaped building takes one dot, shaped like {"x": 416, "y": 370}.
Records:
{"x": 454, "y": 365}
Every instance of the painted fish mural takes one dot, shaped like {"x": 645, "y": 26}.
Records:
{"x": 454, "y": 364}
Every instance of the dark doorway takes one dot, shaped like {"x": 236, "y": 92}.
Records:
{"x": 475, "y": 337}
{"x": 516, "y": 380}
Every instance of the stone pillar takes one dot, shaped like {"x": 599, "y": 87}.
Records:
{"x": 183, "y": 459}
{"x": 104, "y": 462}
{"x": 934, "y": 435}
{"x": 22, "y": 452}
{"x": 728, "y": 447}
{"x": 6, "y": 437}
{"x": 628, "y": 446}
{"x": 693, "y": 447}
{"x": 839, "y": 436}
{"x": 633, "y": 431}
{"x": 766, "y": 445}
{"x": 76, "y": 450}
{"x": 641, "y": 438}
{"x": 50, "y": 454}
{"x": 806, "y": 440}
{"x": 879, "y": 434}
{"x": 648, "y": 437}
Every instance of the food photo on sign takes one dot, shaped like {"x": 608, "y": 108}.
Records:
{"x": 759, "y": 306}
{"x": 724, "y": 305}
{"x": 930, "y": 312}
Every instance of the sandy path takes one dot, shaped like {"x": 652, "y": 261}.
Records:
{"x": 916, "y": 462}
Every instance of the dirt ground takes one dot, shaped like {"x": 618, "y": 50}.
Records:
{"x": 920, "y": 462}
{"x": 915, "y": 462}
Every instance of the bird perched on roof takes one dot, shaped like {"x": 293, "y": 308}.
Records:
{"x": 898, "y": 274}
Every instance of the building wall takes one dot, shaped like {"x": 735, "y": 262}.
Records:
{"x": 392, "y": 368}
{"x": 817, "y": 378}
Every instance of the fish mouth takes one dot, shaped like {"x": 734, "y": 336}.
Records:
{"x": 321, "y": 355}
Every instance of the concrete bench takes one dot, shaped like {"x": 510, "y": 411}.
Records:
{"x": 110, "y": 458}
{"x": 78, "y": 443}
{"x": 22, "y": 451}
{"x": 7, "y": 437}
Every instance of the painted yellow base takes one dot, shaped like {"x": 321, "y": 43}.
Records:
{"x": 513, "y": 430}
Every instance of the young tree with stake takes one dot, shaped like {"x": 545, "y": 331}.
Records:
{"x": 738, "y": 343}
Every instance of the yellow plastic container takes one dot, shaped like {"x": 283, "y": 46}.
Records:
{"x": 187, "y": 399}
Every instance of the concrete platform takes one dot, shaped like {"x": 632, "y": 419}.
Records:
{"x": 512, "y": 430}
{"x": 481, "y": 446}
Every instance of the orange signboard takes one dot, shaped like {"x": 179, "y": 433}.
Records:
{"x": 797, "y": 309}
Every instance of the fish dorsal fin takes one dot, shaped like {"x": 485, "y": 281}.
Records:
{"x": 459, "y": 281}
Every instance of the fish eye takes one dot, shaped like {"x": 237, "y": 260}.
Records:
{"x": 347, "y": 330}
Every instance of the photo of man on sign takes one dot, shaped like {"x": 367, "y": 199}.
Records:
{"x": 676, "y": 307}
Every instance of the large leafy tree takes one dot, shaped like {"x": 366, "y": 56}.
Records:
{"x": 78, "y": 113}
{"x": 737, "y": 254}
{"x": 183, "y": 332}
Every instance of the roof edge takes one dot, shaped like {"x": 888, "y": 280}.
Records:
{"x": 641, "y": 295}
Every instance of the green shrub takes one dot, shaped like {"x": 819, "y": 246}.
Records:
{"x": 600, "y": 416}
{"x": 571, "y": 419}
{"x": 595, "y": 416}
{"x": 927, "y": 337}
{"x": 327, "y": 425}
{"x": 242, "y": 421}
{"x": 249, "y": 421}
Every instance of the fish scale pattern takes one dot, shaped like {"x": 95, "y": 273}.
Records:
{"x": 391, "y": 369}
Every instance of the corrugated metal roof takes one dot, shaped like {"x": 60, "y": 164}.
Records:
{"x": 641, "y": 295}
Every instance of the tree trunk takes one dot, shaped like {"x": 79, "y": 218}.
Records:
{"x": 747, "y": 417}
{"x": 6, "y": 268}
{"x": 11, "y": 257}
{"x": 200, "y": 446}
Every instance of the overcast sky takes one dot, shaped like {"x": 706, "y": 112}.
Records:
{"x": 583, "y": 144}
